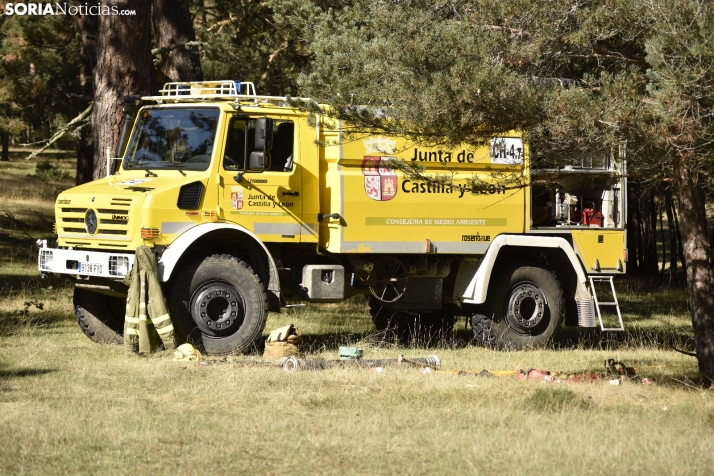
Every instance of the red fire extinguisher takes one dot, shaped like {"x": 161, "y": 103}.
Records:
{"x": 591, "y": 217}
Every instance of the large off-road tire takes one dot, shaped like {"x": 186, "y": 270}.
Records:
{"x": 100, "y": 317}
{"x": 524, "y": 310}
{"x": 219, "y": 305}
{"x": 416, "y": 328}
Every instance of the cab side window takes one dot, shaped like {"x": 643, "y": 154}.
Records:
{"x": 234, "y": 155}
{"x": 281, "y": 155}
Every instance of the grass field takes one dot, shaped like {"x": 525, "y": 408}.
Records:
{"x": 69, "y": 406}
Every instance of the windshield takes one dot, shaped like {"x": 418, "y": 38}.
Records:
{"x": 171, "y": 138}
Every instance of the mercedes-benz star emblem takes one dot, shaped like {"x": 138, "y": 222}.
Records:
{"x": 90, "y": 221}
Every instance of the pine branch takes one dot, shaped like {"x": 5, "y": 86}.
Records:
{"x": 272, "y": 57}
{"x": 163, "y": 52}
{"x": 512, "y": 31}
{"x": 221, "y": 24}
{"x": 74, "y": 124}
{"x": 691, "y": 354}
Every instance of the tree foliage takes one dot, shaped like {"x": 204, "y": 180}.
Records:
{"x": 580, "y": 77}
{"x": 39, "y": 60}
{"x": 244, "y": 42}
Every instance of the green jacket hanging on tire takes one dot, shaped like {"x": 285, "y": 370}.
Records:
{"x": 147, "y": 323}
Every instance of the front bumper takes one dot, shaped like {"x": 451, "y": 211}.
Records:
{"x": 103, "y": 264}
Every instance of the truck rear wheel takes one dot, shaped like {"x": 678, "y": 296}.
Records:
{"x": 219, "y": 304}
{"x": 524, "y": 311}
{"x": 425, "y": 328}
{"x": 100, "y": 317}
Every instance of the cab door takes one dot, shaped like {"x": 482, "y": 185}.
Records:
{"x": 267, "y": 201}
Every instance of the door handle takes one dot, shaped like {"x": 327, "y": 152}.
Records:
{"x": 290, "y": 192}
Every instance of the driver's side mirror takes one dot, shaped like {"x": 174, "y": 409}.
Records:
{"x": 263, "y": 134}
{"x": 259, "y": 160}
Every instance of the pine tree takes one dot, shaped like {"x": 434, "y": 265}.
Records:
{"x": 244, "y": 42}
{"x": 681, "y": 100}
{"x": 124, "y": 66}
{"x": 173, "y": 29}
{"x": 38, "y": 81}
{"x": 88, "y": 31}
{"x": 579, "y": 77}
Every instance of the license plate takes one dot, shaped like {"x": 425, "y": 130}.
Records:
{"x": 90, "y": 268}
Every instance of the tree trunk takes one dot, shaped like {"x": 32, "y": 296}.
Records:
{"x": 664, "y": 242}
{"x": 5, "y": 138}
{"x": 680, "y": 253}
{"x": 85, "y": 157}
{"x": 672, "y": 235}
{"x": 633, "y": 235}
{"x": 649, "y": 233}
{"x": 88, "y": 27}
{"x": 173, "y": 25}
{"x": 700, "y": 276}
{"x": 124, "y": 66}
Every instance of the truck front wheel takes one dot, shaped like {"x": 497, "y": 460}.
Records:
{"x": 100, "y": 317}
{"x": 524, "y": 310}
{"x": 218, "y": 304}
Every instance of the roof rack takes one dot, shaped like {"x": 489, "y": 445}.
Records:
{"x": 208, "y": 89}
{"x": 197, "y": 90}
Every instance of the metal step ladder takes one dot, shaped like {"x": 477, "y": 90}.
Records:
{"x": 614, "y": 303}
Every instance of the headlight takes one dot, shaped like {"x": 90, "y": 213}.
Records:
{"x": 46, "y": 259}
{"x": 118, "y": 265}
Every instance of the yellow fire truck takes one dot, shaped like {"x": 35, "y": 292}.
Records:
{"x": 251, "y": 204}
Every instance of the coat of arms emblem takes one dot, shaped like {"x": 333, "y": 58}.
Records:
{"x": 380, "y": 181}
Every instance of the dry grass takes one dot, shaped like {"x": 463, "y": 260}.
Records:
{"x": 68, "y": 405}
{"x": 26, "y": 198}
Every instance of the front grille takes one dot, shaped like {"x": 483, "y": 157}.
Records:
{"x": 112, "y": 222}
{"x": 114, "y": 211}
{"x": 190, "y": 196}
{"x": 113, "y": 217}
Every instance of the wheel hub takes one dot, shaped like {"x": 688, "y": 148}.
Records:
{"x": 217, "y": 308}
{"x": 526, "y": 307}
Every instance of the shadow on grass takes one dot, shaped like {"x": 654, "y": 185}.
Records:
{"x": 29, "y": 316}
{"x": 635, "y": 338}
{"x": 570, "y": 338}
{"x": 18, "y": 265}
{"x": 7, "y": 374}
{"x": 313, "y": 343}
{"x": 19, "y": 321}
{"x": 641, "y": 298}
